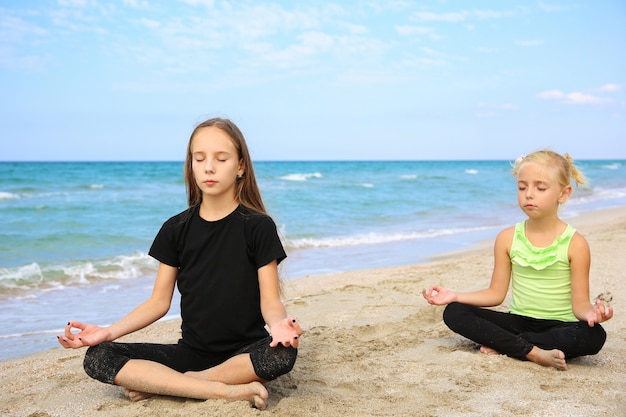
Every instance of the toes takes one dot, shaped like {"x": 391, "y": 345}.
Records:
{"x": 259, "y": 403}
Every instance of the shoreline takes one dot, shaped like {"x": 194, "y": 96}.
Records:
{"x": 373, "y": 346}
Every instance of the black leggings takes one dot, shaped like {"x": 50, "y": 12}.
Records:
{"x": 514, "y": 335}
{"x": 104, "y": 361}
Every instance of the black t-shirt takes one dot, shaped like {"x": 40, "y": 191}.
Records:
{"x": 217, "y": 277}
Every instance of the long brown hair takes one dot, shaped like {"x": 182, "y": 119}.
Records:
{"x": 246, "y": 190}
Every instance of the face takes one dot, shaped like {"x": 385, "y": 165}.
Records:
{"x": 539, "y": 193}
{"x": 215, "y": 162}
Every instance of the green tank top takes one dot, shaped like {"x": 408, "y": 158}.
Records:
{"x": 541, "y": 278}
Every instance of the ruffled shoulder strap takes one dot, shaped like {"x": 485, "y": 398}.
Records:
{"x": 524, "y": 253}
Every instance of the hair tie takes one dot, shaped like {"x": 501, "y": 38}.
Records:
{"x": 519, "y": 159}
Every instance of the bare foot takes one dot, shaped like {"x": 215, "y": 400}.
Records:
{"x": 254, "y": 392}
{"x": 137, "y": 395}
{"x": 488, "y": 351}
{"x": 551, "y": 358}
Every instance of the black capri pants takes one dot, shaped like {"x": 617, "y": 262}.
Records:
{"x": 104, "y": 361}
{"x": 514, "y": 335}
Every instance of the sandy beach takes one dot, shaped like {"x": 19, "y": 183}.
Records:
{"x": 373, "y": 347}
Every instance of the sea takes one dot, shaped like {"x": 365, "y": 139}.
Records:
{"x": 74, "y": 236}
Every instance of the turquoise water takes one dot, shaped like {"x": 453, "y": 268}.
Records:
{"x": 74, "y": 236}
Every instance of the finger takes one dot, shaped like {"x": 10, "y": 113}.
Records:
{"x": 77, "y": 325}
{"x": 67, "y": 343}
{"x": 68, "y": 331}
{"x": 296, "y": 326}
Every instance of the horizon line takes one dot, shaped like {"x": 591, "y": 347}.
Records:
{"x": 62, "y": 161}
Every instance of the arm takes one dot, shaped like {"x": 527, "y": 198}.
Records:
{"x": 284, "y": 329}
{"x": 145, "y": 314}
{"x": 580, "y": 262}
{"x": 488, "y": 297}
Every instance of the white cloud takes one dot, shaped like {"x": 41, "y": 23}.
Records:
{"x": 136, "y": 4}
{"x": 441, "y": 17}
{"x": 530, "y": 43}
{"x": 551, "y": 7}
{"x": 408, "y": 30}
{"x": 393, "y": 5}
{"x": 582, "y": 98}
{"x": 572, "y": 98}
{"x": 207, "y": 3}
{"x": 14, "y": 29}
{"x": 149, "y": 23}
{"x": 462, "y": 16}
{"x": 491, "y": 14}
{"x": 356, "y": 29}
{"x": 72, "y": 3}
{"x": 611, "y": 88}
{"x": 551, "y": 95}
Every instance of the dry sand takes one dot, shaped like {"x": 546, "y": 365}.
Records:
{"x": 373, "y": 347}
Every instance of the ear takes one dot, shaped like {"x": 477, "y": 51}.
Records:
{"x": 565, "y": 193}
{"x": 242, "y": 168}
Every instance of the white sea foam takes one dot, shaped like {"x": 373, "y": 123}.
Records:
{"x": 599, "y": 195}
{"x": 8, "y": 196}
{"x": 301, "y": 177}
{"x": 33, "y": 277}
{"x": 471, "y": 171}
{"x": 28, "y": 273}
{"x": 110, "y": 288}
{"x": 612, "y": 166}
{"x": 374, "y": 238}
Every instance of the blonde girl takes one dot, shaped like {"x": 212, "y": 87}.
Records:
{"x": 547, "y": 262}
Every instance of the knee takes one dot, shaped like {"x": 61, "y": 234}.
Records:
{"x": 99, "y": 363}
{"x": 452, "y": 314}
{"x": 270, "y": 363}
{"x": 599, "y": 337}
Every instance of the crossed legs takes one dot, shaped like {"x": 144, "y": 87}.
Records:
{"x": 232, "y": 380}
{"x": 146, "y": 369}
{"x": 545, "y": 342}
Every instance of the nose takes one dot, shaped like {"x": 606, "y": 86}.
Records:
{"x": 208, "y": 166}
{"x": 529, "y": 192}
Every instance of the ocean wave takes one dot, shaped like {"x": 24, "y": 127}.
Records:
{"x": 616, "y": 165}
{"x": 301, "y": 176}
{"x": 375, "y": 238}
{"x": 25, "y": 280}
{"x": 8, "y": 196}
{"x": 598, "y": 195}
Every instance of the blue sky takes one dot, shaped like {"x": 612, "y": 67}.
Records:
{"x": 315, "y": 80}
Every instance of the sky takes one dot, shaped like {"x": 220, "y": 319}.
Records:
{"x": 104, "y": 80}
